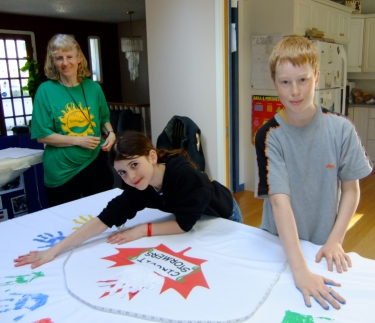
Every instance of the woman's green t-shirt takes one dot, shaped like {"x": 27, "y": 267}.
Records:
{"x": 55, "y": 110}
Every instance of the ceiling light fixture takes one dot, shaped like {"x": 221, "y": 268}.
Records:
{"x": 131, "y": 46}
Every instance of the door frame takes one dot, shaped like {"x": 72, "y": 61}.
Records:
{"x": 234, "y": 112}
{"x": 21, "y": 32}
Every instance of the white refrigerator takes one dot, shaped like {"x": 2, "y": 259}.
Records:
{"x": 330, "y": 93}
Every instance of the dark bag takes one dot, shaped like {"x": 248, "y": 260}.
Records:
{"x": 183, "y": 133}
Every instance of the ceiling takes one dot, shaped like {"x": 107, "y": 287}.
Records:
{"x": 113, "y": 11}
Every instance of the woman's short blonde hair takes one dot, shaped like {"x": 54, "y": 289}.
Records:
{"x": 296, "y": 50}
{"x": 64, "y": 43}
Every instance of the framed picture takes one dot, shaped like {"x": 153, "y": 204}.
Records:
{"x": 3, "y": 215}
{"x": 19, "y": 204}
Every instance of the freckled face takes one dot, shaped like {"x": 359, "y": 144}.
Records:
{"x": 67, "y": 62}
{"x": 295, "y": 86}
{"x": 137, "y": 172}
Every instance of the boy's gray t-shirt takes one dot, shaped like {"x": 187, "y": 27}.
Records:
{"x": 307, "y": 164}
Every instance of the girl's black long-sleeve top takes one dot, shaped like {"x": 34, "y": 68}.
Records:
{"x": 186, "y": 192}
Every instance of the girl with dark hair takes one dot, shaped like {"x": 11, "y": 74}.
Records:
{"x": 160, "y": 179}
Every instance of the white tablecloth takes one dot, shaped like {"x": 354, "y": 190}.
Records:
{"x": 242, "y": 275}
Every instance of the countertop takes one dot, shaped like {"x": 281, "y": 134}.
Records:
{"x": 363, "y": 105}
{"x": 14, "y": 161}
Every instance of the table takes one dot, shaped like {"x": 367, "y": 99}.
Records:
{"x": 235, "y": 266}
{"x": 14, "y": 161}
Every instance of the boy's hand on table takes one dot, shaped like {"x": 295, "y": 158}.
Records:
{"x": 334, "y": 253}
{"x": 316, "y": 286}
{"x": 35, "y": 258}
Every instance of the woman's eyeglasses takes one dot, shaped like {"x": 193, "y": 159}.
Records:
{"x": 59, "y": 60}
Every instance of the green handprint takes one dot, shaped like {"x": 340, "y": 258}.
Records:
{"x": 292, "y": 317}
{"x": 21, "y": 279}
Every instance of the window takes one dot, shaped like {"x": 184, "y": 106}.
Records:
{"x": 16, "y": 105}
{"x": 95, "y": 59}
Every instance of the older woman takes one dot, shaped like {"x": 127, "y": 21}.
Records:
{"x": 70, "y": 115}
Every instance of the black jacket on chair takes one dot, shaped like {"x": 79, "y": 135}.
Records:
{"x": 182, "y": 132}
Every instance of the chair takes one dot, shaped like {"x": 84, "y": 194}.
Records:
{"x": 182, "y": 133}
{"x": 125, "y": 120}
{"x": 18, "y": 130}
{"x": 129, "y": 120}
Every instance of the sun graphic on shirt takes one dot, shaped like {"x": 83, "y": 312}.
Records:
{"x": 77, "y": 121}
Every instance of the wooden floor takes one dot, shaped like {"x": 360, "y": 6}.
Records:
{"x": 360, "y": 236}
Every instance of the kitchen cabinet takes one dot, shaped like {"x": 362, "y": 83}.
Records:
{"x": 303, "y": 16}
{"x": 295, "y": 17}
{"x": 371, "y": 134}
{"x": 364, "y": 121}
{"x": 288, "y": 17}
{"x": 369, "y": 45}
{"x": 355, "y": 46}
{"x": 359, "y": 115}
{"x": 334, "y": 22}
{"x": 340, "y": 27}
{"x": 361, "y": 47}
{"x": 321, "y": 18}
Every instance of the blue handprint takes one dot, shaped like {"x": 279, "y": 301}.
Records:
{"x": 22, "y": 303}
{"x": 5, "y": 308}
{"x": 50, "y": 239}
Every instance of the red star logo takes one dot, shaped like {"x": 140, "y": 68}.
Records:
{"x": 180, "y": 272}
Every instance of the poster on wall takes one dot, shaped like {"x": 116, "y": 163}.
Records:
{"x": 264, "y": 107}
{"x": 19, "y": 204}
{"x": 261, "y": 48}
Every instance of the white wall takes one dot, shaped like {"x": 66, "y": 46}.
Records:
{"x": 183, "y": 71}
{"x": 368, "y": 6}
{"x": 246, "y": 148}
{"x": 183, "y": 68}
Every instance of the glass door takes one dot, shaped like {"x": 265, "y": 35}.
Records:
{"x": 16, "y": 104}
